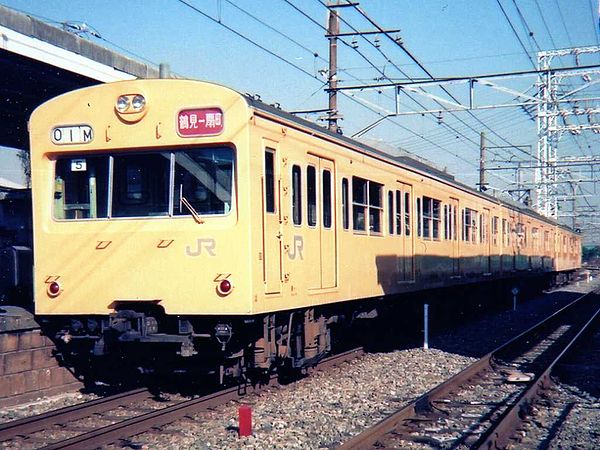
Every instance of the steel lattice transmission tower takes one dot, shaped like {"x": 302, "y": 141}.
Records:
{"x": 558, "y": 99}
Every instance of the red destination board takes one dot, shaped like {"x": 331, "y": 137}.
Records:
{"x": 200, "y": 122}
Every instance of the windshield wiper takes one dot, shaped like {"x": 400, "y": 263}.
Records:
{"x": 191, "y": 209}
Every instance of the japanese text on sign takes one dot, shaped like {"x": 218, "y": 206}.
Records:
{"x": 200, "y": 122}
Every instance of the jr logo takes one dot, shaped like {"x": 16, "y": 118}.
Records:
{"x": 206, "y": 245}
{"x": 296, "y": 250}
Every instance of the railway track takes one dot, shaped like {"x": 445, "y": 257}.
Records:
{"x": 485, "y": 405}
{"x": 79, "y": 427}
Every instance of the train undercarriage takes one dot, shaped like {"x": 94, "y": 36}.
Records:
{"x": 141, "y": 339}
{"x": 226, "y": 349}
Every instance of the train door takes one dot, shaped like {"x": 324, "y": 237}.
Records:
{"x": 454, "y": 231}
{"x": 328, "y": 224}
{"x": 320, "y": 245}
{"x": 272, "y": 233}
{"x": 407, "y": 265}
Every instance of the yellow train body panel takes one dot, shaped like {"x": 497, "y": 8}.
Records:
{"x": 310, "y": 218}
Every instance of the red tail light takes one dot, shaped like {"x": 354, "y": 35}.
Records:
{"x": 53, "y": 289}
{"x": 224, "y": 287}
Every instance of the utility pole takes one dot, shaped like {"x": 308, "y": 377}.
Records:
{"x": 333, "y": 30}
{"x": 574, "y": 187}
{"x": 333, "y": 34}
{"x": 482, "y": 183}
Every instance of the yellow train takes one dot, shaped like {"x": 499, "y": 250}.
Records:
{"x": 182, "y": 216}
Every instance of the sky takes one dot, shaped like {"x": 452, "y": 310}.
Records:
{"x": 221, "y": 40}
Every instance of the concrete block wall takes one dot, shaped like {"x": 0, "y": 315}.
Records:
{"x": 28, "y": 368}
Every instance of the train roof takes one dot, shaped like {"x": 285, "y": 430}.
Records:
{"x": 404, "y": 161}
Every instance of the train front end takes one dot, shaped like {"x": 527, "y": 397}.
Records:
{"x": 141, "y": 235}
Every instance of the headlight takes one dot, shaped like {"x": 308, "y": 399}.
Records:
{"x": 138, "y": 102}
{"x": 123, "y": 103}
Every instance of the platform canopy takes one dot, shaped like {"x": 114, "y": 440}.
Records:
{"x": 39, "y": 61}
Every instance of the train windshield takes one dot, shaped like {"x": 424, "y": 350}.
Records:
{"x": 150, "y": 184}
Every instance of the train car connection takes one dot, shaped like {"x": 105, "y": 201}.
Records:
{"x": 180, "y": 219}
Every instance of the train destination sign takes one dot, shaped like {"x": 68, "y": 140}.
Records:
{"x": 74, "y": 134}
{"x": 200, "y": 122}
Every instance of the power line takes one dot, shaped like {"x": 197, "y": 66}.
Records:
{"x": 516, "y": 34}
{"x": 564, "y": 23}
{"x": 526, "y": 26}
{"x": 422, "y": 67}
{"x": 247, "y": 39}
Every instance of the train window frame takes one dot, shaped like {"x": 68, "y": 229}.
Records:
{"x": 398, "y": 217}
{"x": 447, "y": 223}
{"x": 391, "y": 215}
{"x": 124, "y": 201}
{"x": 450, "y": 222}
{"x": 407, "y": 212}
{"x": 360, "y": 205}
{"x": 419, "y": 219}
{"x": 345, "y": 205}
{"x": 495, "y": 220}
{"x": 470, "y": 218}
{"x": 312, "y": 196}
{"x": 61, "y": 206}
{"x": 296, "y": 197}
{"x": 367, "y": 202}
{"x": 430, "y": 218}
{"x": 111, "y": 191}
{"x": 376, "y": 201}
{"x": 483, "y": 228}
{"x": 327, "y": 198}
{"x": 269, "y": 182}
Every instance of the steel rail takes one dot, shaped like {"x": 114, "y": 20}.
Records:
{"x": 28, "y": 425}
{"x": 500, "y": 434}
{"x": 424, "y": 405}
{"x": 141, "y": 423}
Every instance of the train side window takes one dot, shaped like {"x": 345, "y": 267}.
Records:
{"x": 391, "y": 214}
{"x": 407, "y": 226}
{"x": 447, "y": 223}
{"x": 495, "y": 220}
{"x": 375, "y": 207}
{"x": 450, "y": 222}
{"x": 535, "y": 238}
{"x": 398, "y": 212}
{"x": 326, "y": 186}
{"x": 269, "y": 180}
{"x": 482, "y": 228}
{"x": 454, "y": 223}
{"x": 345, "y": 205}
{"x": 469, "y": 225}
{"x": 297, "y": 195}
{"x": 431, "y": 218}
{"x": 311, "y": 195}
{"x": 419, "y": 218}
{"x": 359, "y": 204}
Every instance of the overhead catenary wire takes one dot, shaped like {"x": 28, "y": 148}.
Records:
{"x": 372, "y": 65}
{"x": 247, "y": 39}
{"x": 426, "y": 71}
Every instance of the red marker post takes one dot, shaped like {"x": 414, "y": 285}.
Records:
{"x": 245, "y": 421}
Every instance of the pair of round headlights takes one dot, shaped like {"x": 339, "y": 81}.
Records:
{"x": 130, "y": 103}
